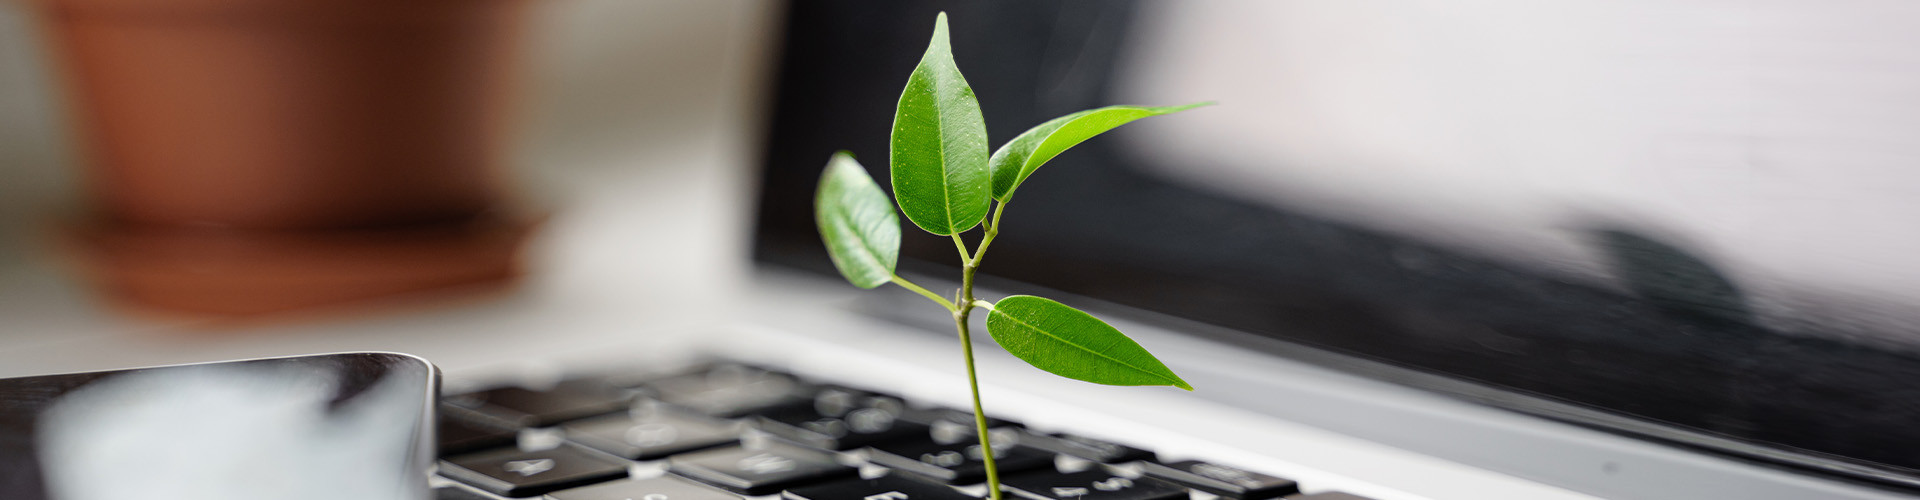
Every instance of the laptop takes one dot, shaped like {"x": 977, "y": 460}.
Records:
{"x": 1537, "y": 209}
{"x": 1414, "y": 253}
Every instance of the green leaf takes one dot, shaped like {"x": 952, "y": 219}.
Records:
{"x": 1073, "y": 344}
{"x": 857, "y": 222}
{"x": 1019, "y": 157}
{"x": 939, "y": 154}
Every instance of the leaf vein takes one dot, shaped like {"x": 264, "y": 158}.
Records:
{"x": 946, "y": 182}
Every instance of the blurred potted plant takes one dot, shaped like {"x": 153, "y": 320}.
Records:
{"x": 254, "y": 156}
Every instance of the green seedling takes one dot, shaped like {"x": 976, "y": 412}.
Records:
{"x": 946, "y": 183}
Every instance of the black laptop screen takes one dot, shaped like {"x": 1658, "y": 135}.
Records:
{"x": 1636, "y": 210}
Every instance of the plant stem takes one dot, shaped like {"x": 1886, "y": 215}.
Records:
{"x": 964, "y": 308}
{"x": 897, "y": 280}
{"x": 993, "y": 229}
{"x": 981, "y": 253}
{"x": 961, "y": 245}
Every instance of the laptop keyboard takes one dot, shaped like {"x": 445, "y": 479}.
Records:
{"x": 729, "y": 431}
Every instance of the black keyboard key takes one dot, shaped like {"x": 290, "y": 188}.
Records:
{"x": 841, "y": 419}
{"x": 1085, "y": 447}
{"x": 730, "y": 391}
{"x": 460, "y": 434}
{"x": 1221, "y": 480}
{"x": 516, "y": 473}
{"x": 652, "y": 433}
{"x": 957, "y": 462}
{"x": 1335, "y": 495}
{"x": 934, "y": 416}
{"x": 657, "y": 488}
{"x": 570, "y": 400}
{"x": 888, "y": 487}
{"x": 1092, "y": 485}
{"x": 456, "y": 493}
{"x": 759, "y": 470}
{"x": 949, "y": 425}
{"x": 835, "y": 400}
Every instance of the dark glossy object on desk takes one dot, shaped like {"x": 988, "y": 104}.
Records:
{"x": 360, "y": 412}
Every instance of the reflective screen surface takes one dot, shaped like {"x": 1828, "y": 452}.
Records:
{"x": 310, "y": 427}
{"x": 1694, "y": 216}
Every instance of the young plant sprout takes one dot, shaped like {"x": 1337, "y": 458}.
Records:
{"x": 946, "y": 183}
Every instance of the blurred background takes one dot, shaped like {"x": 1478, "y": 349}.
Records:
{"x": 627, "y": 121}
{"x": 1765, "y": 141}
{"x": 1697, "y": 213}
{"x": 1497, "y": 190}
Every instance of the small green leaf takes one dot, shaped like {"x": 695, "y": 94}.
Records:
{"x": 939, "y": 154}
{"x": 1019, "y": 157}
{"x": 857, "y": 222}
{"x": 1073, "y": 344}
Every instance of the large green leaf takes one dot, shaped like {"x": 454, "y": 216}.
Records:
{"x": 939, "y": 155}
{"x": 857, "y": 222}
{"x": 1019, "y": 157}
{"x": 1073, "y": 344}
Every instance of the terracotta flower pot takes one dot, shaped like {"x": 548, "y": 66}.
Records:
{"x": 249, "y": 156}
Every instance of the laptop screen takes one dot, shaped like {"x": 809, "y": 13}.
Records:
{"x": 1689, "y": 222}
